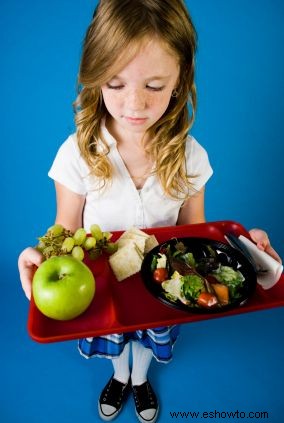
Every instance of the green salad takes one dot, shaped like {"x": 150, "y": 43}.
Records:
{"x": 204, "y": 282}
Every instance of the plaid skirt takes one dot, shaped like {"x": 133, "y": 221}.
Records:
{"x": 160, "y": 340}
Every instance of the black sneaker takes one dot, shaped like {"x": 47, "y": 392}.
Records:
{"x": 146, "y": 403}
{"x": 111, "y": 399}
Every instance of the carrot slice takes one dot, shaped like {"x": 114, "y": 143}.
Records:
{"x": 222, "y": 292}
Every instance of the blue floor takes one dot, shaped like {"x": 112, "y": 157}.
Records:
{"x": 225, "y": 365}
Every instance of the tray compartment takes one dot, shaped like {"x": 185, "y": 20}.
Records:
{"x": 134, "y": 303}
{"x": 136, "y": 306}
{"x": 99, "y": 317}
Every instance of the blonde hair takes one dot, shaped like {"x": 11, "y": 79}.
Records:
{"x": 118, "y": 29}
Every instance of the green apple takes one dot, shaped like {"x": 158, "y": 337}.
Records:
{"x": 63, "y": 287}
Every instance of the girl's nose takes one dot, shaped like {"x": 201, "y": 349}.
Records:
{"x": 136, "y": 100}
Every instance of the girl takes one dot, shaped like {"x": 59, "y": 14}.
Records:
{"x": 132, "y": 162}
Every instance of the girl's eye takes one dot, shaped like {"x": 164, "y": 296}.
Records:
{"x": 115, "y": 87}
{"x": 155, "y": 88}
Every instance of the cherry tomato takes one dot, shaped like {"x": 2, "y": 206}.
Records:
{"x": 160, "y": 274}
{"x": 207, "y": 300}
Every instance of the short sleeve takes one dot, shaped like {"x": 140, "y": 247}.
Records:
{"x": 198, "y": 165}
{"x": 68, "y": 168}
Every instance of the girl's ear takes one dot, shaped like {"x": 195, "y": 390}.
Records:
{"x": 175, "y": 93}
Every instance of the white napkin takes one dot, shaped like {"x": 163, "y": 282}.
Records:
{"x": 270, "y": 270}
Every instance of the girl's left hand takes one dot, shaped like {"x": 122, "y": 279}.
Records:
{"x": 261, "y": 239}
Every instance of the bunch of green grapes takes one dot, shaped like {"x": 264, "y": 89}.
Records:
{"x": 59, "y": 241}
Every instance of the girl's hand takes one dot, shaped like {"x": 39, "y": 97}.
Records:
{"x": 261, "y": 239}
{"x": 28, "y": 262}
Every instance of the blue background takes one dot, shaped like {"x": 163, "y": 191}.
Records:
{"x": 225, "y": 364}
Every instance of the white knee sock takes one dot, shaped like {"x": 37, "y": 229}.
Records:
{"x": 121, "y": 365}
{"x": 141, "y": 361}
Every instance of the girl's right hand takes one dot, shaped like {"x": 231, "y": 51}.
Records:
{"x": 29, "y": 261}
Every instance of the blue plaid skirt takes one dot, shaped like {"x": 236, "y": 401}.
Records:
{"x": 159, "y": 340}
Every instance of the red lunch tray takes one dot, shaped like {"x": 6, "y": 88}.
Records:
{"x": 127, "y": 306}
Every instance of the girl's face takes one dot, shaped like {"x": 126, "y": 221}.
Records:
{"x": 138, "y": 96}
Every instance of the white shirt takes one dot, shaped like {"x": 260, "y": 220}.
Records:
{"x": 120, "y": 205}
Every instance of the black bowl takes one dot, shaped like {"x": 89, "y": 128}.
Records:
{"x": 227, "y": 256}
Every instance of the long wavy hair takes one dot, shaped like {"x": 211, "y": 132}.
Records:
{"x": 115, "y": 35}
